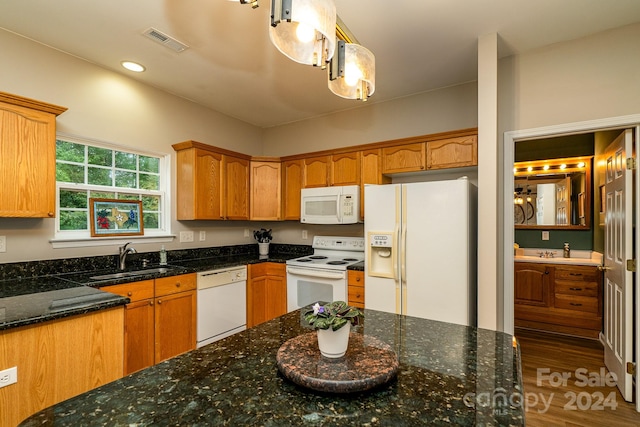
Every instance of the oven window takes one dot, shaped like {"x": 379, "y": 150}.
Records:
{"x": 312, "y": 292}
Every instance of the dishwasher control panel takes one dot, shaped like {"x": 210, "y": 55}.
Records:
{"x": 223, "y": 276}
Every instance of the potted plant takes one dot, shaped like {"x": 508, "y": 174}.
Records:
{"x": 333, "y": 322}
{"x": 263, "y": 236}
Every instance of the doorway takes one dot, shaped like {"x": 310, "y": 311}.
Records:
{"x": 510, "y": 139}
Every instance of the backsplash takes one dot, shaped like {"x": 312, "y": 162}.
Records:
{"x": 58, "y": 266}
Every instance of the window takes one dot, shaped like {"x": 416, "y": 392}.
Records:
{"x": 86, "y": 170}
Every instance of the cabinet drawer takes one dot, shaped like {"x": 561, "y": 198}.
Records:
{"x": 175, "y": 284}
{"x": 356, "y": 295}
{"x": 578, "y": 303}
{"x": 267, "y": 269}
{"x": 136, "y": 291}
{"x": 581, "y": 273}
{"x": 355, "y": 277}
{"x": 568, "y": 287}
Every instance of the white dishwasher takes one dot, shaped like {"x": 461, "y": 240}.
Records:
{"x": 222, "y": 304}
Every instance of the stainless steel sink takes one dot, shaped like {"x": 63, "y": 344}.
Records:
{"x": 124, "y": 274}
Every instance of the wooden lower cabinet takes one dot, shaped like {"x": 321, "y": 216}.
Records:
{"x": 266, "y": 292}
{"x": 59, "y": 359}
{"x": 160, "y": 320}
{"x": 559, "y": 298}
{"x": 355, "y": 280}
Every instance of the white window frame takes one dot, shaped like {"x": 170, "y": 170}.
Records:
{"x": 73, "y": 239}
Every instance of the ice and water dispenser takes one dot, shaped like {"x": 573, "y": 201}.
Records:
{"x": 381, "y": 254}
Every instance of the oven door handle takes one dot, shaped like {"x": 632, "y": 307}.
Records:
{"x": 315, "y": 273}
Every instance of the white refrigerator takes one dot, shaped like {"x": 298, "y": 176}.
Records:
{"x": 421, "y": 241}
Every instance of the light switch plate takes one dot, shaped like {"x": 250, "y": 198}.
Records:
{"x": 203, "y": 235}
{"x": 545, "y": 235}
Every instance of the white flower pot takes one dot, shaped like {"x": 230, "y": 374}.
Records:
{"x": 263, "y": 248}
{"x": 333, "y": 344}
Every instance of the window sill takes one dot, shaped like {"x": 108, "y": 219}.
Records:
{"x": 85, "y": 242}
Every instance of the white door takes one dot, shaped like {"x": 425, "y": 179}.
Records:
{"x": 618, "y": 282}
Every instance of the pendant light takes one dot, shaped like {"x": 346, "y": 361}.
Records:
{"x": 304, "y": 30}
{"x": 352, "y": 73}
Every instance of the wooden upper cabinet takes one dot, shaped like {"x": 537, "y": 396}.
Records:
{"x": 403, "y": 158}
{"x": 236, "y": 188}
{"x": 27, "y": 157}
{"x": 266, "y": 190}
{"x": 212, "y": 183}
{"x": 345, "y": 169}
{"x": 370, "y": 172}
{"x": 316, "y": 171}
{"x": 452, "y": 152}
{"x": 291, "y": 186}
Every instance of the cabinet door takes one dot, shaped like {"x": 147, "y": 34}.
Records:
{"x": 138, "y": 336}
{"x": 236, "y": 188}
{"x": 532, "y": 284}
{"x": 403, "y": 158}
{"x": 266, "y": 292}
{"x": 27, "y": 162}
{"x": 371, "y": 172}
{"x": 199, "y": 184}
{"x": 266, "y": 191}
{"x": 316, "y": 172}
{"x": 291, "y": 185}
{"x": 175, "y": 324}
{"x": 452, "y": 153}
{"x": 345, "y": 169}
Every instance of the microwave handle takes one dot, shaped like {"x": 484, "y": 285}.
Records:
{"x": 340, "y": 200}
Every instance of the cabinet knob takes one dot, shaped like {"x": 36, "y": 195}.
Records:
{"x": 150, "y": 302}
{"x": 177, "y": 284}
{"x": 546, "y": 272}
{"x": 357, "y": 279}
{"x": 50, "y": 214}
{"x": 159, "y": 301}
{"x": 129, "y": 293}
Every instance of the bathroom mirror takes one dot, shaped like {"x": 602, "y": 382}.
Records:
{"x": 553, "y": 193}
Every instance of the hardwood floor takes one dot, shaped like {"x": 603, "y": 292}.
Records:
{"x": 579, "y": 401}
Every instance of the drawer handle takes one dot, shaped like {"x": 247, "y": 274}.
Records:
{"x": 575, "y": 274}
{"x": 575, "y": 304}
{"x": 177, "y": 284}
{"x": 129, "y": 293}
{"x": 357, "y": 279}
{"x": 575, "y": 289}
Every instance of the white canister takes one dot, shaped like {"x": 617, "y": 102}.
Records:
{"x": 263, "y": 248}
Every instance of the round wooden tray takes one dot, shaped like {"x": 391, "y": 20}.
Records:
{"x": 368, "y": 363}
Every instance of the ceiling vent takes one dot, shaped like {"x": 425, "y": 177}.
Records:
{"x": 164, "y": 39}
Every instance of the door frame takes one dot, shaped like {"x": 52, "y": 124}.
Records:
{"x": 509, "y": 140}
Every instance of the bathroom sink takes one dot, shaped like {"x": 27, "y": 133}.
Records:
{"x": 124, "y": 274}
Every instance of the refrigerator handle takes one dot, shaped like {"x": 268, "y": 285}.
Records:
{"x": 396, "y": 234}
{"x": 403, "y": 253}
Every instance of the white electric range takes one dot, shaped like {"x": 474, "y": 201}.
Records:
{"x": 323, "y": 275}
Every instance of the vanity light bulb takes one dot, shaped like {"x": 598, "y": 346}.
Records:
{"x": 546, "y": 167}
{"x": 563, "y": 166}
{"x": 581, "y": 164}
{"x": 529, "y": 169}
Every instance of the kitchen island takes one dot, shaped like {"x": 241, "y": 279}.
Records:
{"x": 447, "y": 374}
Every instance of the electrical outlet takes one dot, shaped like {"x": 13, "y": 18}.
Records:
{"x": 186, "y": 236}
{"x": 8, "y": 376}
{"x": 545, "y": 235}
{"x": 203, "y": 236}
{"x": 304, "y": 235}
{"x": 246, "y": 233}
{"x": 3, "y": 243}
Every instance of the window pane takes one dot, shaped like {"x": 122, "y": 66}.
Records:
{"x": 125, "y": 179}
{"x": 149, "y": 182}
{"x": 125, "y": 160}
{"x": 149, "y": 164}
{"x": 69, "y": 151}
{"x": 99, "y": 176}
{"x": 124, "y": 196}
{"x": 100, "y": 156}
{"x": 73, "y": 220}
{"x": 69, "y": 173}
{"x": 150, "y": 220}
{"x": 103, "y": 195}
{"x": 150, "y": 203}
{"x": 73, "y": 199}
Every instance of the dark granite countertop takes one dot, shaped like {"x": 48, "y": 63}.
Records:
{"x": 448, "y": 374}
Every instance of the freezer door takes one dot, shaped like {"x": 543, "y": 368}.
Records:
{"x": 439, "y": 268}
{"x": 382, "y": 207}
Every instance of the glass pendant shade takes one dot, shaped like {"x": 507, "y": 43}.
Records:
{"x": 355, "y": 75}
{"x": 305, "y": 31}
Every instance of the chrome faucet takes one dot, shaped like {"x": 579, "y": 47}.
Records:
{"x": 123, "y": 251}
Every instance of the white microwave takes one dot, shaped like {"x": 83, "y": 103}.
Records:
{"x": 330, "y": 205}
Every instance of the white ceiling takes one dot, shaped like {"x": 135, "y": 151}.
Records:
{"x": 232, "y": 67}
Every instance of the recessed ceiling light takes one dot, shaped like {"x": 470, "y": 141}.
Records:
{"x": 133, "y": 66}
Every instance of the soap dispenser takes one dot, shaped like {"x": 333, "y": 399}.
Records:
{"x": 163, "y": 256}
{"x": 566, "y": 252}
